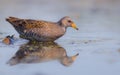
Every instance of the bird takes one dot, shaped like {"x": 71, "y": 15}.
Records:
{"x": 39, "y": 52}
{"x": 41, "y": 30}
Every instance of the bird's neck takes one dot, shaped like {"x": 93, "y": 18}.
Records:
{"x": 62, "y": 26}
{"x": 64, "y": 29}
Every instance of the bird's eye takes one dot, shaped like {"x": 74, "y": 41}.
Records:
{"x": 69, "y": 21}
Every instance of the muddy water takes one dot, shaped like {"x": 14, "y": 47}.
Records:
{"x": 97, "y": 41}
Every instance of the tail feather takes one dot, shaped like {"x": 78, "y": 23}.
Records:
{"x": 14, "y": 21}
{"x": 11, "y": 19}
{"x": 17, "y": 24}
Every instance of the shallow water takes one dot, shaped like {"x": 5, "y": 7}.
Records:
{"x": 97, "y": 41}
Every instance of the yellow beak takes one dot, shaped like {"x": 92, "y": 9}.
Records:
{"x": 74, "y": 26}
{"x": 75, "y": 56}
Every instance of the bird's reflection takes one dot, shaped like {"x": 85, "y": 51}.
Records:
{"x": 35, "y": 52}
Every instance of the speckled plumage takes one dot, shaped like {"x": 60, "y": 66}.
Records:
{"x": 36, "y": 52}
{"x": 40, "y": 30}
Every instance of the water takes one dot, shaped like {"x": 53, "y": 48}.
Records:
{"x": 97, "y": 41}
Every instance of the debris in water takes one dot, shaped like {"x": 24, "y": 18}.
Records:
{"x": 8, "y": 40}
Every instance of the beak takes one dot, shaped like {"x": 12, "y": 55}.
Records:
{"x": 74, "y": 26}
{"x": 75, "y": 56}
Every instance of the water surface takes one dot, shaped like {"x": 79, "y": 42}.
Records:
{"x": 97, "y": 41}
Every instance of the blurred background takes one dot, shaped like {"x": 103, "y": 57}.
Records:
{"x": 97, "y": 41}
{"x": 103, "y": 13}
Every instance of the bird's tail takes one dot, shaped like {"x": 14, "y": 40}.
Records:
{"x": 12, "y": 20}
{"x": 17, "y": 23}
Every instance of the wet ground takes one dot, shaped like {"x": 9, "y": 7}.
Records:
{"x": 97, "y": 41}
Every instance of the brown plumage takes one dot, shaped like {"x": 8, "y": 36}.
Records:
{"x": 41, "y": 30}
{"x": 36, "y": 52}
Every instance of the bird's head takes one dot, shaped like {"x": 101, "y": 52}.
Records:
{"x": 67, "y": 22}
